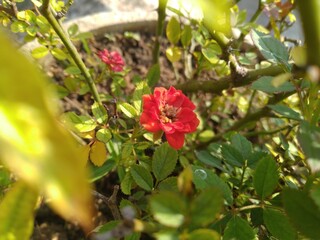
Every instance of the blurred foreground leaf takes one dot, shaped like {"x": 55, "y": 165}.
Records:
{"x": 16, "y": 212}
{"x": 33, "y": 144}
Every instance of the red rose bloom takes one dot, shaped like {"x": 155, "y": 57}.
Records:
{"x": 112, "y": 59}
{"x": 169, "y": 111}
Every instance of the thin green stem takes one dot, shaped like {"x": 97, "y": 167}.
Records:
{"x": 46, "y": 11}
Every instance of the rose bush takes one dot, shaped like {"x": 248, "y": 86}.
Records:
{"x": 169, "y": 111}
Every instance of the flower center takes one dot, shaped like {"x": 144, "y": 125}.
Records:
{"x": 168, "y": 113}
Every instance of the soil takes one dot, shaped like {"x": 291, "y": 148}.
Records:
{"x": 137, "y": 53}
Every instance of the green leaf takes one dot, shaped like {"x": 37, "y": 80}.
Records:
{"x": 104, "y": 135}
{"x": 303, "y": 212}
{"x": 153, "y": 75}
{"x": 242, "y": 145}
{"x": 186, "y": 36}
{"x": 211, "y": 52}
{"x": 266, "y": 176}
{"x": 173, "y": 54}
{"x": 126, "y": 184}
{"x": 79, "y": 123}
{"x": 264, "y": 84}
{"x": 59, "y": 54}
{"x": 18, "y": 26}
{"x": 142, "y": 177}
{"x": 43, "y": 24}
{"x": 169, "y": 184}
{"x": 278, "y": 224}
{"x": 128, "y": 110}
{"x": 205, "y": 207}
{"x": 99, "y": 112}
{"x": 4, "y": 177}
{"x": 204, "y": 234}
{"x": 141, "y": 89}
{"x": 286, "y": 112}
{"x": 315, "y": 194}
{"x": 17, "y": 212}
{"x": 271, "y": 48}
{"x": 309, "y": 139}
{"x": 31, "y": 30}
{"x": 281, "y": 79}
{"x": 73, "y": 30}
{"x": 232, "y": 156}
{"x": 173, "y": 30}
{"x": 204, "y": 178}
{"x": 99, "y": 172}
{"x": 238, "y": 228}
{"x": 73, "y": 70}
{"x": 207, "y": 158}
{"x": 168, "y": 208}
{"x": 39, "y": 52}
{"x": 164, "y": 161}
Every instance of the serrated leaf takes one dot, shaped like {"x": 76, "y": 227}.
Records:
{"x": 169, "y": 184}
{"x": 278, "y": 224}
{"x": 79, "y": 123}
{"x": 59, "y": 54}
{"x": 303, "y": 212}
{"x": 286, "y": 112}
{"x": 126, "y": 184}
{"x": 232, "y": 156}
{"x": 238, "y": 228}
{"x": 142, "y": 177}
{"x": 73, "y": 70}
{"x": 204, "y": 234}
{"x": 242, "y": 145}
{"x": 272, "y": 49}
{"x": 204, "y": 178}
{"x": 17, "y": 212}
{"x": 98, "y": 153}
{"x": 205, "y": 207}
{"x": 128, "y": 110}
{"x": 173, "y": 54}
{"x": 99, "y": 172}
{"x": 309, "y": 139}
{"x": 39, "y": 52}
{"x": 266, "y": 176}
{"x": 173, "y": 30}
{"x": 186, "y": 36}
{"x": 211, "y": 52}
{"x": 153, "y": 75}
{"x": 141, "y": 89}
{"x": 104, "y": 135}
{"x": 168, "y": 208}
{"x": 99, "y": 112}
{"x": 264, "y": 84}
{"x": 205, "y": 157}
{"x": 164, "y": 161}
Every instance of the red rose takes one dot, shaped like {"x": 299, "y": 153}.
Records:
{"x": 112, "y": 59}
{"x": 169, "y": 111}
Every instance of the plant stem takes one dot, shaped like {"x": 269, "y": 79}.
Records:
{"x": 309, "y": 12}
{"x": 46, "y": 11}
{"x": 161, "y": 20}
{"x": 217, "y": 86}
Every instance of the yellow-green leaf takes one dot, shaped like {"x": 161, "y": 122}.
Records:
{"x": 173, "y": 54}
{"x": 40, "y": 52}
{"x": 33, "y": 144}
{"x": 16, "y": 212}
{"x": 98, "y": 153}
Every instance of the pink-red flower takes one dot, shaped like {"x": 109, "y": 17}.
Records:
{"x": 169, "y": 111}
{"x": 112, "y": 59}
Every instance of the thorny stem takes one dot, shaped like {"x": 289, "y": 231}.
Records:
{"x": 46, "y": 11}
{"x": 217, "y": 86}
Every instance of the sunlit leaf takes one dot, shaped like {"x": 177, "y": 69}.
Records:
{"x": 34, "y": 145}
{"x": 40, "y": 52}
{"x": 99, "y": 112}
{"x": 17, "y": 212}
{"x": 173, "y": 54}
{"x": 168, "y": 208}
{"x": 153, "y": 75}
{"x": 173, "y": 30}
{"x": 98, "y": 153}
{"x": 128, "y": 110}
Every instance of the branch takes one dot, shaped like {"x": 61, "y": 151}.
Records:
{"x": 46, "y": 11}
{"x": 217, "y": 86}
{"x": 8, "y": 11}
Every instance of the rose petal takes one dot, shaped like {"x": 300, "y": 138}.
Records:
{"x": 175, "y": 140}
{"x": 149, "y": 123}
